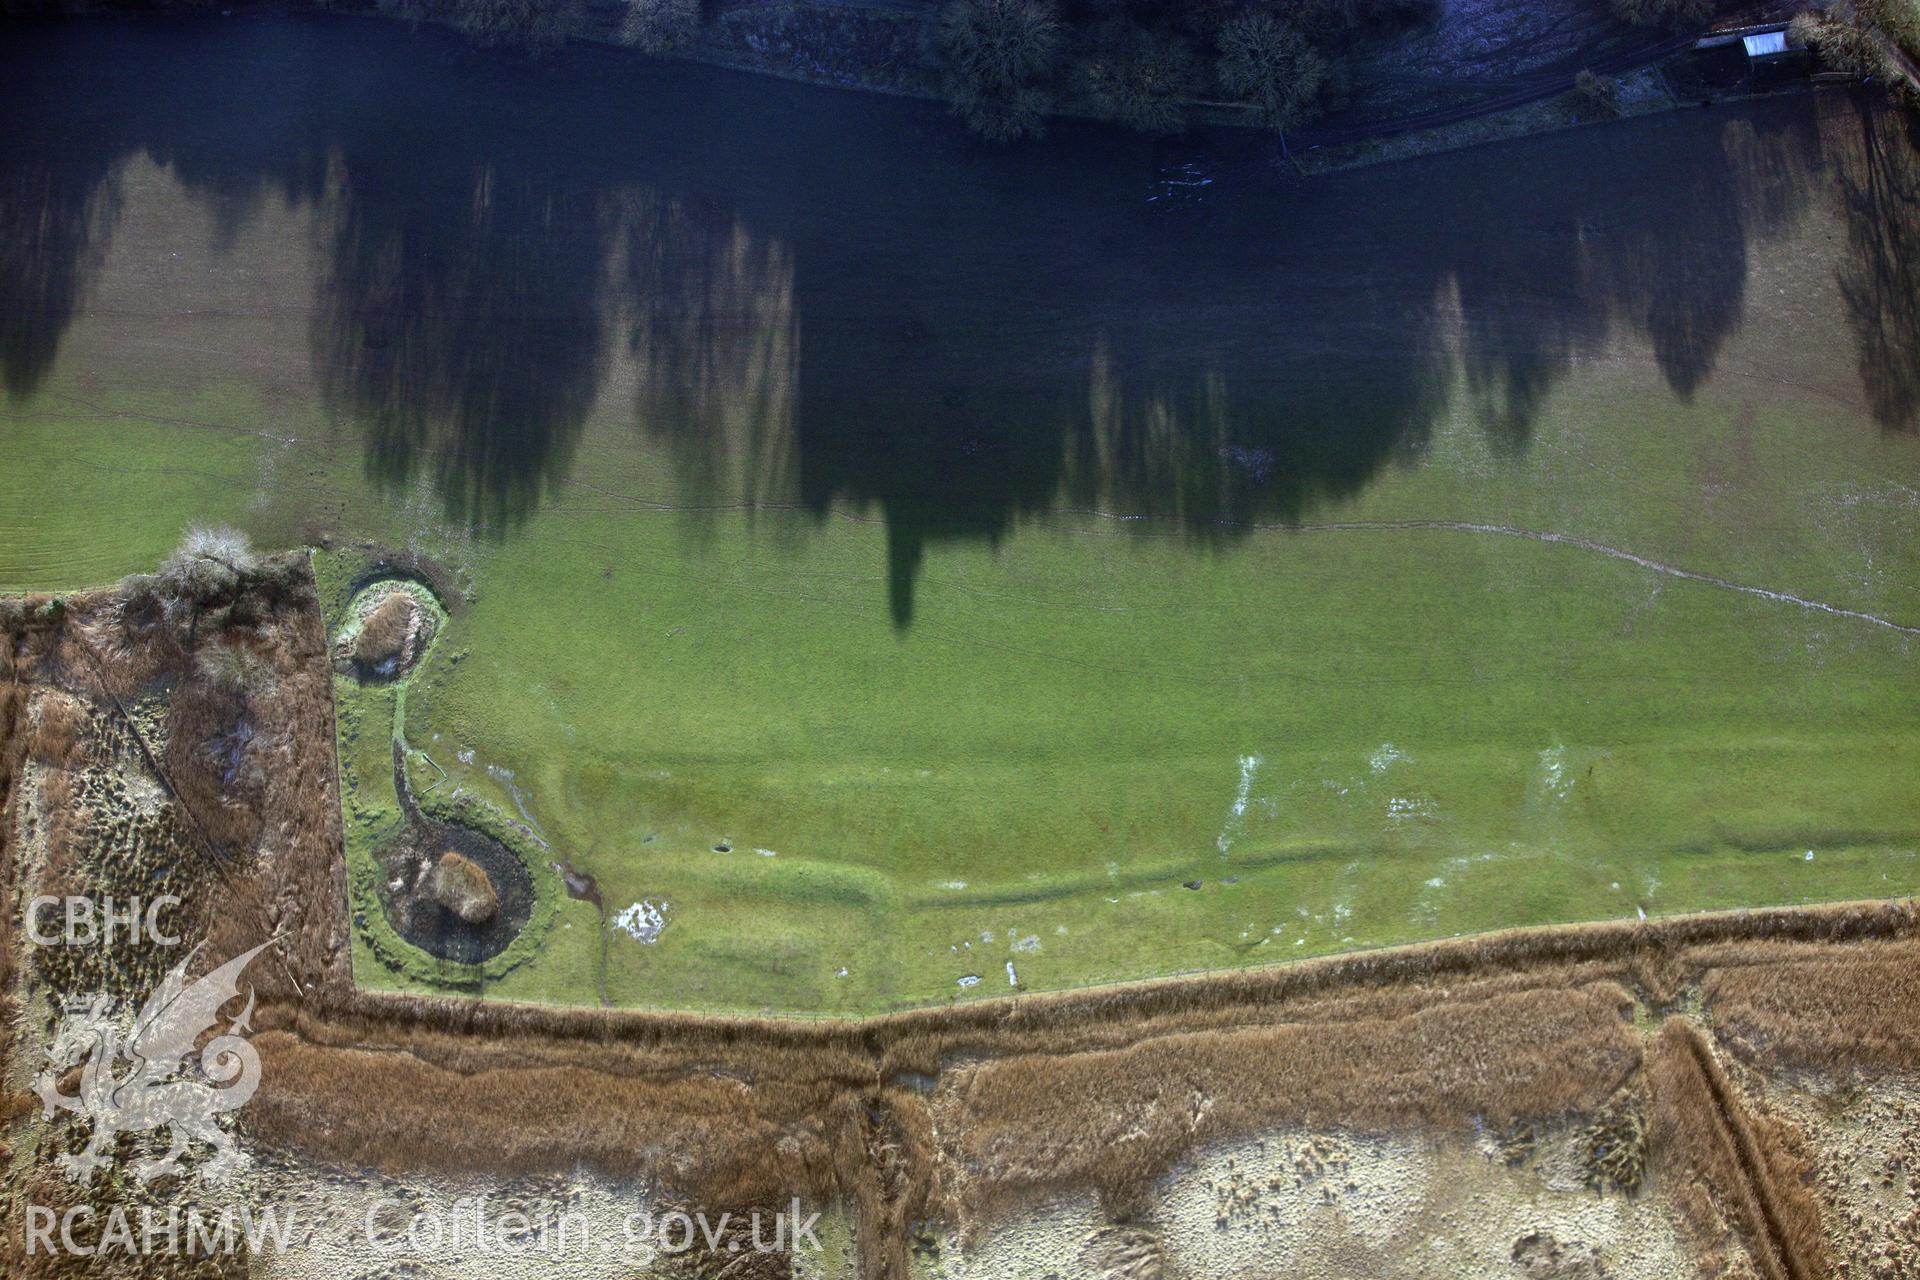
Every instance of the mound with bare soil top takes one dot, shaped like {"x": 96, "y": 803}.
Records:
{"x": 386, "y": 633}
{"x": 391, "y": 629}
{"x": 460, "y": 886}
{"x": 455, "y": 893}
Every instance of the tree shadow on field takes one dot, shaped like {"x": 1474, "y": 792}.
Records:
{"x": 56, "y": 218}
{"x": 1088, "y": 358}
{"x": 836, "y": 304}
{"x": 459, "y": 325}
{"x": 79, "y": 99}
{"x": 1878, "y": 163}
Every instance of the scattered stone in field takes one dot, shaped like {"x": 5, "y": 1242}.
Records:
{"x": 1191, "y": 884}
{"x": 1029, "y": 943}
{"x": 767, "y": 853}
{"x": 723, "y": 847}
{"x": 462, "y": 887}
{"x": 1257, "y": 463}
{"x": 1866, "y": 1157}
{"x": 643, "y": 920}
{"x": 1349, "y": 1205}
{"x": 1012, "y": 979}
{"x": 970, "y": 980}
{"x": 841, "y": 972}
{"x": 954, "y": 884}
{"x": 146, "y": 794}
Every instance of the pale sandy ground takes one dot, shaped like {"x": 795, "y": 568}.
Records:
{"x": 1332, "y": 1206}
{"x": 1866, "y": 1151}
{"x": 580, "y": 1227}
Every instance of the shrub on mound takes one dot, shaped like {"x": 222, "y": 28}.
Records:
{"x": 463, "y": 888}
{"x": 381, "y": 644}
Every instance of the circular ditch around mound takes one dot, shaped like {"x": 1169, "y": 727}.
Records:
{"x": 422, "y": 919}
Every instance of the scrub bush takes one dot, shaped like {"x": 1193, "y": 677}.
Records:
{"x": 1599, "y": 96}
{"x": 1270, "y": 65}
{"x": 209, "y": 563}
{"x": 1142, "y": 78}
{"x": 994, "y": 55}
{"x": 660, "y": 26}
{"x": 530, "y": 24}
{"x": 235, "y": 668}
{"x": 1664, "y": 13}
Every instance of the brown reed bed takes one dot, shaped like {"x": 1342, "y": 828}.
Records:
{"x": 1734, "y": 1166}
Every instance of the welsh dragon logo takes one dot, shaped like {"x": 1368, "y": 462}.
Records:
{"x": 153, "y": 1074}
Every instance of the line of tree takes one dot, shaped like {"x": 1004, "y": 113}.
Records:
{"x": 656, "y": 26}
{"x": 1006, "y": 63}
{"x": 1674, "y": 14}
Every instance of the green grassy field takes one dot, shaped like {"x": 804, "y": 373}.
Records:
{"x": 1404, "y": 719}
{"x": 1346, "y": 737}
